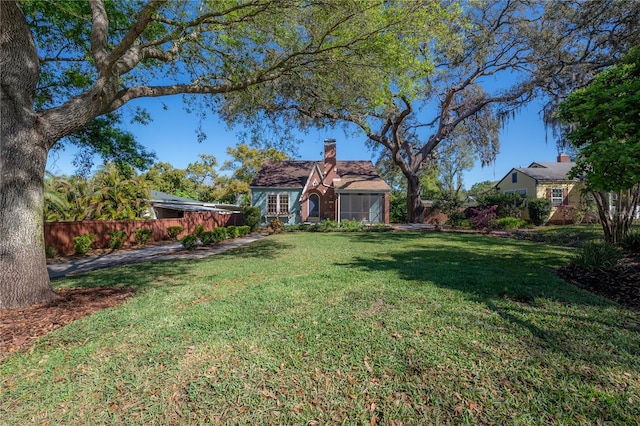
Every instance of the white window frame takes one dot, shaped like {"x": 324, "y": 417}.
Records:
{"x": 555, "y": 199}
{"x": 281, "y": 204}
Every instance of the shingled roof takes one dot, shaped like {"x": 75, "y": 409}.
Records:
{"x": 548, "y": 171}
{"x": 354, "y": 176}
{"x": 283, "y": 174}
{"x": 359, "y": 176}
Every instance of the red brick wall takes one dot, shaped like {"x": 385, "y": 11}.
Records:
{"x": 60, "y": 234}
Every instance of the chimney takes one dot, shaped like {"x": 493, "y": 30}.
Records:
{"x": 563, "y": 158}
{"x": 329, "y": 155}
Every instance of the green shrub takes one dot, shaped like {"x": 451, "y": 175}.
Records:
{"x": 142, "y": 235}
{"x": 189, "y": 242}
{"x": 456, "y": 218}
{"x": 174, "y": 231}
{"x": 539, "y": 211}
{"x": 631, "y": 242}
{"x": 50, "y": 252}
{"x": 219, "y": 234}
{"x": 207, "y": 238}
{"x": 511, "y": 223}
{"x": 252, "y": 218}
{"x": 233, "y": 232}
{"x": 326, "y": 225}
{"x": 351, "y": 225}
{"x": 398, "y": 207}
{"x": 244, "y": 230}
{"x": 117, "y": 240}
{"x": 197, "y": 230}
{"x": 82, "y": 243}
{"x": 597, "y": 255}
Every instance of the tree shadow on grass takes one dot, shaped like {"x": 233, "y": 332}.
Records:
{"x": 138, "y": 276}
{"x": 264, "y": 249}
{"x": 164, "y": 272}
{"x": 513, "y": 279}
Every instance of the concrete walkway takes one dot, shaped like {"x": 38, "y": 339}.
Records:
{"x": 161, "y": 252}
{"x": 412, "y": 226}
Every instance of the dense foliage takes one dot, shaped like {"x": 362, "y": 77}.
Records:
{"x": 539, "y": 210}
{"x": 108, "y": 195}
{"x": 603, "y": 126}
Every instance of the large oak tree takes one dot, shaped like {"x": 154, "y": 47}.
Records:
{"x": 63, "y": 64}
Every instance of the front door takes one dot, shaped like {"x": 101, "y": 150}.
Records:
{"x": 314, "y": 207}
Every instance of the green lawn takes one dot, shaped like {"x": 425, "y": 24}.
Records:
{"x": 340, "y": 328}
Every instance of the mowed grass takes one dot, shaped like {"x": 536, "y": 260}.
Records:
{"x": 309, "y": 328}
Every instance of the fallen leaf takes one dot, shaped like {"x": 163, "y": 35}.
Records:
{"x": 366, "y": 364}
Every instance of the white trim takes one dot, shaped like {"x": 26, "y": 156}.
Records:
{"x": 279, "y": 211}
{"x": 306, "y": 183}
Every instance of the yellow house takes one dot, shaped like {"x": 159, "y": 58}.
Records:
{"x": 546, "y": 180}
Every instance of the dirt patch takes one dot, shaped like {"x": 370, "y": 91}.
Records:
{"x": 19, "y": 327}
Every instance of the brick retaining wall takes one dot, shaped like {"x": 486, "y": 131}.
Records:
{"x": 60, "y": 235}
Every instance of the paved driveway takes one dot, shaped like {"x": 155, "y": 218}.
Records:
{"x": 161, "y": 252}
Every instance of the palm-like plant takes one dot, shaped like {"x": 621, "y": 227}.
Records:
{"x": 108, "y": 195}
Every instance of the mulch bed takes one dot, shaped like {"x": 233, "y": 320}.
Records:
{"x": 620, "y": 284}
{"x": 19, "y": 327}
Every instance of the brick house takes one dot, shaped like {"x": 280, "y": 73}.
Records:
{"x": 309, "y": 191}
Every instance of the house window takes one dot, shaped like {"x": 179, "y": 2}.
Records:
{"x": 514, "y": 177}
{"x": 278, "y": 204}
{"x": 557, "y": 196}
{"x": 283, "y": 204}
{"x": 272, "y": 204}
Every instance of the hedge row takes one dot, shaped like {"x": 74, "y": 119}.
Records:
{"x": 208, "y": 238}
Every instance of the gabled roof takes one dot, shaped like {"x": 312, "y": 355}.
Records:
{"x": 283, "y": 174}
{"x": 354, "y": 176}
{"x": 550, "y": 171}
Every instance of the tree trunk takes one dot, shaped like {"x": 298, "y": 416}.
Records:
{"x": 415, "y": 209}
{"x": 616, "y": 218}
{"x": 24, "y": 279}
{"x": 23, "y": 155}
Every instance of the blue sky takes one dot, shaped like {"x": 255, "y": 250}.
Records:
{"x": 172, "y": 136}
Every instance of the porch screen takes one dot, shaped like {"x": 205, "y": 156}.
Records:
{"x": 361, "y": 207}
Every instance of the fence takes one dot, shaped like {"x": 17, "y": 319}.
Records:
{"x": 60, "y": 235}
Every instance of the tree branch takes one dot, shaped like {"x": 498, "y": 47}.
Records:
{"x": 99, "y": 32}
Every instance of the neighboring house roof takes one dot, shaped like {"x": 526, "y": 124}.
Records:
{"x": 163, "y": 196}
{"x": 550, "y": 171}
{"x": 169, "y": 201}
{"x": 354, "y": 176}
